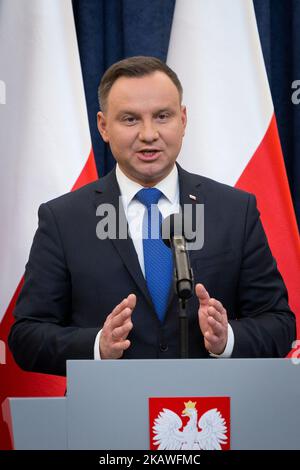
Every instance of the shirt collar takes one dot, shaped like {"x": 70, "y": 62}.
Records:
{"x": 169, "y": 186}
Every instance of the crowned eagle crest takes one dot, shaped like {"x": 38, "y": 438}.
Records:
{"x": 207, "y": 433}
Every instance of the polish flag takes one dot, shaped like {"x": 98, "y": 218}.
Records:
{"x": 232, "y": 133}
{"x": 45, "y": 152}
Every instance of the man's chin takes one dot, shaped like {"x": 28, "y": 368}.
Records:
{"x": 151, "y": 174}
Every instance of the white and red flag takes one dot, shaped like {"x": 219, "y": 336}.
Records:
{"x": 45, "y": 151}
{"x": 232, "y": 133}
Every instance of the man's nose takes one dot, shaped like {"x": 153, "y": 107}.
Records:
{"x": 148, "y": 132}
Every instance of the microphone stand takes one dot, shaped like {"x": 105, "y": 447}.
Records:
{"x": 173, "y": 237}
{"x": 184, "y": 282}
{"x": 183, "y": 329}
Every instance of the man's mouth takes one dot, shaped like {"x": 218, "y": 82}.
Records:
{"x": 148, "y": 154}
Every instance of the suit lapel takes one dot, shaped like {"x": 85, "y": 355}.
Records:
{"x": 191, "y": 194}
{"x": 108, "y": 192}
{"x": 190, "y": 188}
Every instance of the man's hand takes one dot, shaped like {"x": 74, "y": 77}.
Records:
{"x": 118, "y": 324}
{"x": 212, "y": 320}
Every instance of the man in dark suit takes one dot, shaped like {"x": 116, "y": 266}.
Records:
{"x": 89, "y": 296}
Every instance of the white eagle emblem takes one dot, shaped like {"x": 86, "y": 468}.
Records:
{"x": 168, "y": 437}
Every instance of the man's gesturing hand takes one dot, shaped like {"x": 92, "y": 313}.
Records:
{"x": 118, "y": 324}
{"x": 212, "y": 320}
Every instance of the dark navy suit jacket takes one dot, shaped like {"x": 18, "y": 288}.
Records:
{"x": 73, "y": 281}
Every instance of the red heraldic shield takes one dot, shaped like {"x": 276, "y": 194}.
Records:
{"x": 190, "y": 423}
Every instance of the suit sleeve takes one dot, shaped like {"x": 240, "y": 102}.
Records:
{"x": 265, "y": 325}
{"x": 41, "y": 338}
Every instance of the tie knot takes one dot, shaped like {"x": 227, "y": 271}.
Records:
{"x": 148, "y": 196}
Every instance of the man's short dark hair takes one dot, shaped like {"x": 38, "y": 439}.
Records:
{"x": 137, "y": 66}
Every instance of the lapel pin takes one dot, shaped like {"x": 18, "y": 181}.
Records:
{"x": 191, "y": 196}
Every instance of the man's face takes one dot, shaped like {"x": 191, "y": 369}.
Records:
{"x": 144, "y": 124}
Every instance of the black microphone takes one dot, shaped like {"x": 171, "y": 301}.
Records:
{"x": 173, "y": 236}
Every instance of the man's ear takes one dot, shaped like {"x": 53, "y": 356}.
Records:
{"x": 101, "y": 123}
{"x": 183, "y": 117}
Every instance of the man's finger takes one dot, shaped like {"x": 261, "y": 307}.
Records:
{"x": 122, "y": 331}
{"x": 118, "y": 348}
{"x": 216, "y": 327}
{"x": 121, "y": 318}
{"x": 129, "y": 301}
{"x": 213, "y": 313}
{"x": 121, "y": 306}
{"x": 201, "y": 293}
{"x": 211, "y": 339}
{"x": 217, "y": 305}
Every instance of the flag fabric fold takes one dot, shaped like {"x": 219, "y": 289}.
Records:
{"x": 45, "y": 152}
{"x": 232, "y": 133}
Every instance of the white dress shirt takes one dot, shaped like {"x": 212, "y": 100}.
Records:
{"x": 134, "y": 211}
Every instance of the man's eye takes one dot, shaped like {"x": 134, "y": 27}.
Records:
{"x": 129, "y": 119}
{"x": 163, "y": 116}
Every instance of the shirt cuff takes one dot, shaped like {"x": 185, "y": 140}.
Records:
{"x": 229, "y": 346}
{"x": 97, "y": 356}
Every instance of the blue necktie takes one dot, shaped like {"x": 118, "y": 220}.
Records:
{"x": 157, "y": 256}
